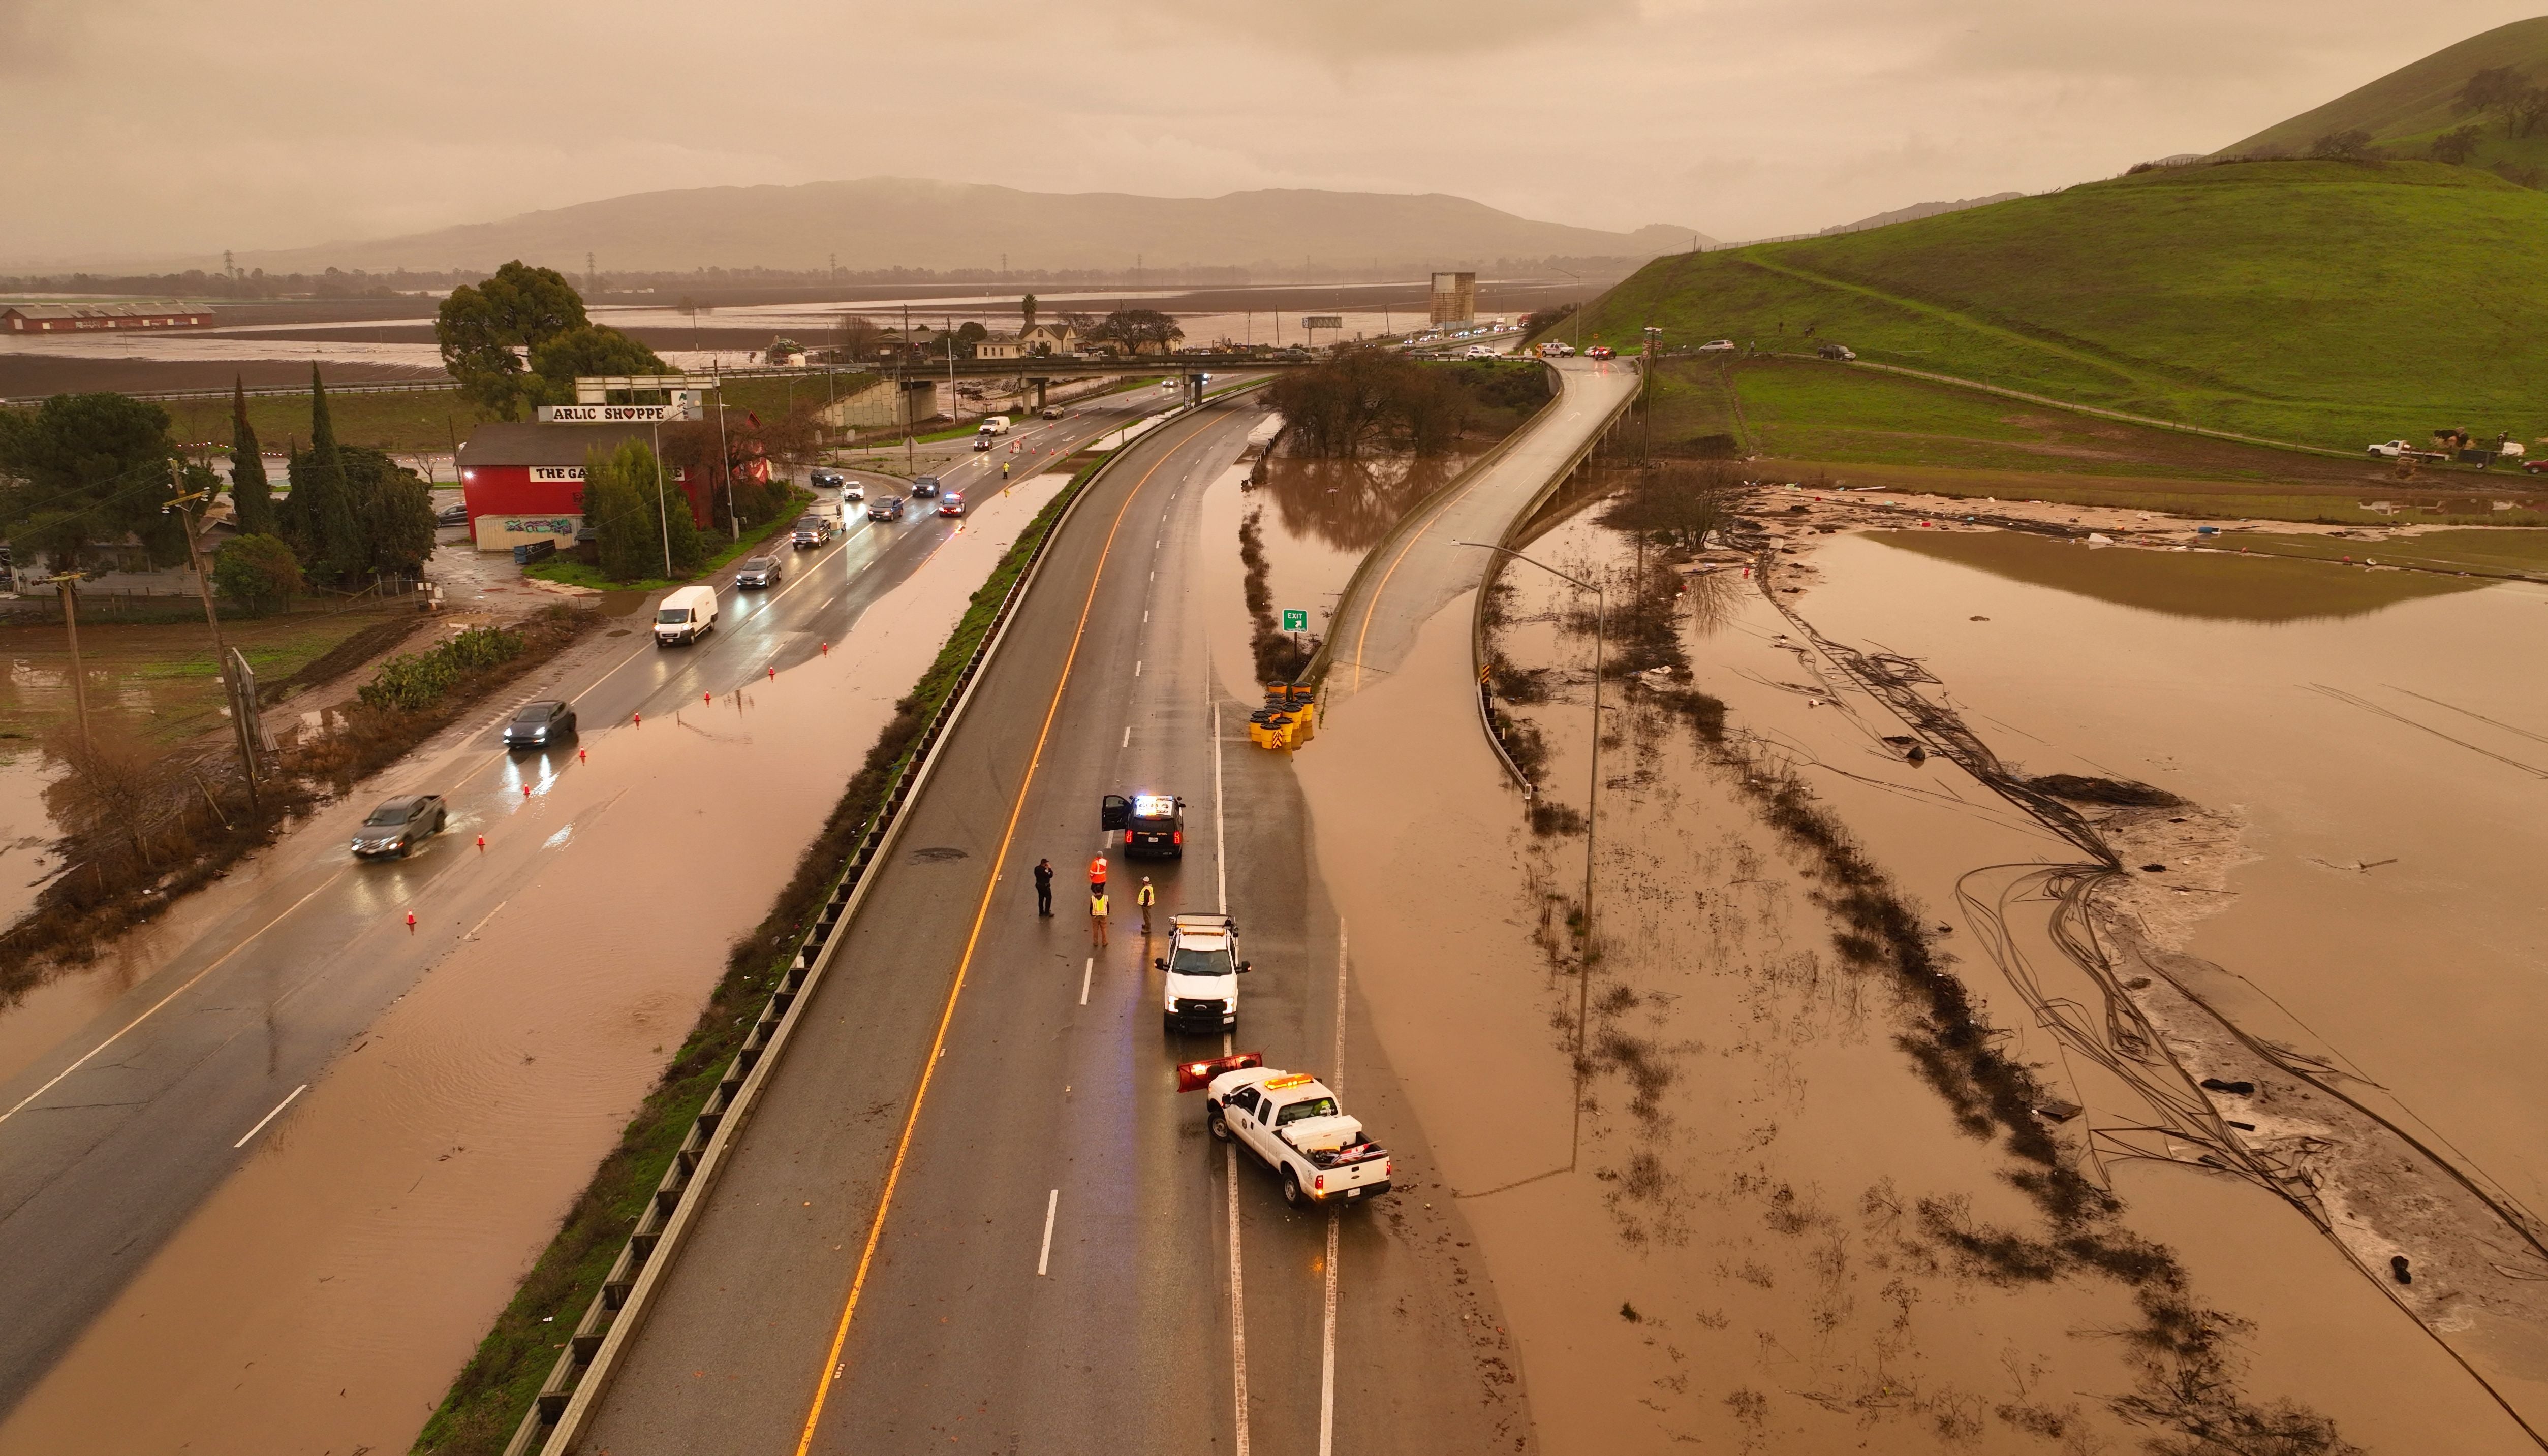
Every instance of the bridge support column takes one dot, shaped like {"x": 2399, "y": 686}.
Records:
{"x": 1036, "y": 387}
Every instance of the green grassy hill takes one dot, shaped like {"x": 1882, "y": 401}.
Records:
{"x": 2404, "y": 110}
{"x": 2323, "y": 303}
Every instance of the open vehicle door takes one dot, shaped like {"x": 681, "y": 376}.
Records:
{"x": 1114, "y": 811}
{"x": 1194, "y": 1075}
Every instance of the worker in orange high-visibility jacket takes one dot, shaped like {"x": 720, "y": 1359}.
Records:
{"x": 1097, "y": 875}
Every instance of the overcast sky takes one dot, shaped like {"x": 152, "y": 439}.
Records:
{"x": 172, "y": 128}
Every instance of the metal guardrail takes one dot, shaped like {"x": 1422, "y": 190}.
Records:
{"x": 1494, "y": 567}
{"x": 569, "y": 1398}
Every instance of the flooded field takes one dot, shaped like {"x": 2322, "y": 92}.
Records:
{"x": 27, "y": 835}
{"x": 324, "y": 1296}
{"x": 2342, "y": 884}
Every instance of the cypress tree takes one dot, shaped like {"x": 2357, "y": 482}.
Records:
{"x": 689, "y": 549}
{"x": 623, "y": 523}
{"x": 337, "y": 542}
{"x": 251, "y": 498}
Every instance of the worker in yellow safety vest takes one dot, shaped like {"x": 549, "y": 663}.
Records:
{"x": 1147, "y": 897}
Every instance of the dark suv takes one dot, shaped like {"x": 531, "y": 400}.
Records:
{"x": 540, "y": 724}
{"x": 924, "y": 487}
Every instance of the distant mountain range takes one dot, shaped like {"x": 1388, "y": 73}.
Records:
{"x": 879, "y": 223}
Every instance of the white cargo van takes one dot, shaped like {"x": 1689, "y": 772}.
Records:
{"x": 995, "y": 425}
{"x": 686, "y": 616}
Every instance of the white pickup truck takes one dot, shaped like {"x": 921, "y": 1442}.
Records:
{"x": 1293, "y": 1126}
{"x": 1201, "y": 973}
{"x": 2401, "y": 450}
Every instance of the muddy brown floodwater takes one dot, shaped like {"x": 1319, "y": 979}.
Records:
{"x": 27, "y": 834}
{"x": 1769, "y": 1110}
{"x": 324, "y": 1296}
{"x": 1318, "y": 518}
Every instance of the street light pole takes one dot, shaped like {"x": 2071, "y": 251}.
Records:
{"x": 725, "y": 461}
{"x": 662, "y": 516}
{"x": 1592, "y": 814}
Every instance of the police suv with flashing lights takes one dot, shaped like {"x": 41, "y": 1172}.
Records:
{"x": 1153, "y": 824}
{"x": 1294, "y": 1123}
{"x": 1202, "y": 970}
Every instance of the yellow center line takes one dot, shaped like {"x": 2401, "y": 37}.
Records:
{"x": 911, "y": 1120}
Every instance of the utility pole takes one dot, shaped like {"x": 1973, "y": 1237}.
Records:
{"x": 180, "y": 499}
{"x": 725, "y": 461}
{"x": 67, "y": 583}
{"x": 663, "y": 513}
{"x": 1646, "y": 412}
{"x": 902, "y": 405}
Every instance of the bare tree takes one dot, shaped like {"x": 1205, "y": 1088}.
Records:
{"x": 2345, "y": 147}
{"x": 2455, "y": 145}
{"x": 1681, "y": 500}
{"x": 2529, "y": 109}
{"x": 2496, "y": 91}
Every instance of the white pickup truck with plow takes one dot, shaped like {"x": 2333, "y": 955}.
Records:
{"x": 1294, "y": 1125}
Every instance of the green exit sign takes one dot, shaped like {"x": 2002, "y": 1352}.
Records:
{"x": 1295, "y": 621}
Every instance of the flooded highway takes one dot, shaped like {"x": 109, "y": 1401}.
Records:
{"x": 231, "y": 1163}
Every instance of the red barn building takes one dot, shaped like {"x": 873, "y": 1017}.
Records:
{"x": 84, "y": 317}
{"x": 524, "y": 483}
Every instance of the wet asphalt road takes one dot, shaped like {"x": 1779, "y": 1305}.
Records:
{"x": 1053, "y": 1269}
{"x": 110, "y": 1139}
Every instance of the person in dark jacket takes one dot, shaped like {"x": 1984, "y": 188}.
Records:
{"x": 1044, "y": 888}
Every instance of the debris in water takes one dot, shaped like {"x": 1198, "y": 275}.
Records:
{"x": 2234, "y": 1089}
{"x": 2056, "y": 1112}
{"x": 2082, "y": 788}
{"x": 2154, "y": 868}
{"x": 2397, "y": 1267}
